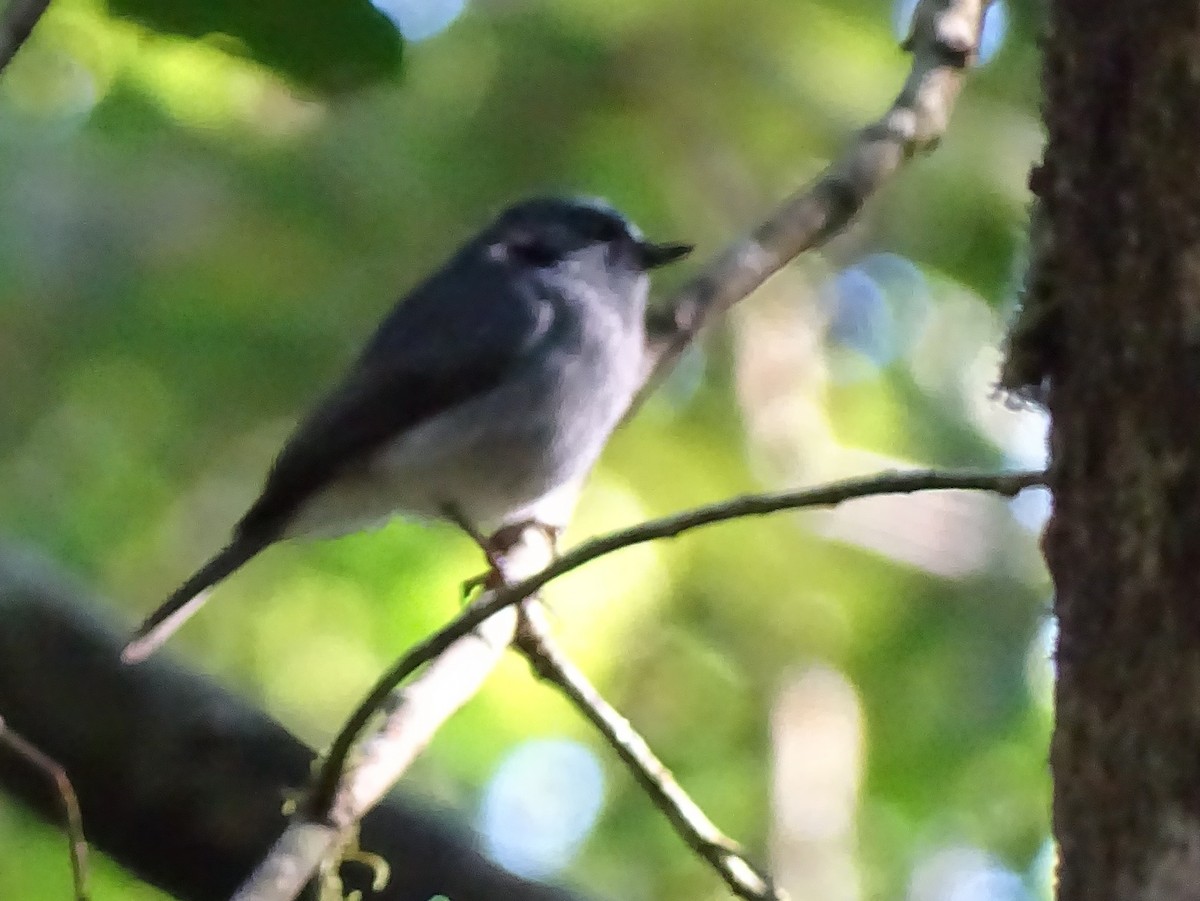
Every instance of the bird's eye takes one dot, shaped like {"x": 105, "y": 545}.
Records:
{"x": 608, "y": 231}
{"x": 532, "y": 251}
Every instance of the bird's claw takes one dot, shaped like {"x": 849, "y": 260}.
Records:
{"x": 495, "y": 547}
{"x": 485, "y": 580}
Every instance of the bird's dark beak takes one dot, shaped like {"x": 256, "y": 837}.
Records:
{"x": 652, "y": 255}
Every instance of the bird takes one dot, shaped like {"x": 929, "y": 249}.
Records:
{"x": 484, "y": 397}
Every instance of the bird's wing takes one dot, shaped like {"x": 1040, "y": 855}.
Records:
{"x": 455, "y": 337}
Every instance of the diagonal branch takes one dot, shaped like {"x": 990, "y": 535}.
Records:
{"x": 411, "y": 719}
{"x": 343, "y": 791}
{"x": 77, "y": 844}
{"x": 16, "y": 24}
{"x": 536, "y": 643}
{"x": 944, "y": 41}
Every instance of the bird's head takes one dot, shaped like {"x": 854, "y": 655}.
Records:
{"x": 579, "y": 237}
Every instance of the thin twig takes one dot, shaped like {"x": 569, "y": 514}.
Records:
{"x": 536, "y": 643}
{"x": 944, "y": 41}
{"x": 16, "y": 24}
{"x": 76, "y": 843}
{"x": 1008, "y": 484}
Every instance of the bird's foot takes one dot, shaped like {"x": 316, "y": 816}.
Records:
{"x": 493, "y": 578}
{"x": 506, "y": 538}
{"x": 482, "y": 581}
{"x": 496, "y": 548}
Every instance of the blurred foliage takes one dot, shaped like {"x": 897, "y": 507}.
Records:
{"x": 191, "y": 246}
{"x": 334, "y": 45}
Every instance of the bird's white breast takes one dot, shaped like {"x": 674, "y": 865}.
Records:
{"x": 520, "y": 451}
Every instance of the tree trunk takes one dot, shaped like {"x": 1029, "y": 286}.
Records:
{"x": 1120, "y": 192}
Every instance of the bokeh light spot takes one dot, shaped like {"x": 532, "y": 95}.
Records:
{"x": 540, "y": 805}
{"x": 878, "y": 309}
{"x": 1042, "y": 871}
{"x": 1040, "y": 669}
{"x": 965, "y": 874}
{"x": 995, "y": 26}
{"x": 1031, "y": 508}
{"x": 420, "y": 19}
{"x": 1027, "y": 447}
{"x": 1028, "y": 441}
{"x": 860, "y": 318}
{"x": 906, "y": 291}
{"x": 859, "y": 322}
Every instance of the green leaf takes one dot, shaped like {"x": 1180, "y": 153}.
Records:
{"x": 326, "y": 45}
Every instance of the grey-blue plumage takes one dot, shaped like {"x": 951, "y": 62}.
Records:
{"x": 486, "y": 395}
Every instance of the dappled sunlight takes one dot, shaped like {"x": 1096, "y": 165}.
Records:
{"x": 600, "y": 603}
{"x": 52, "y": 88}
{"x": 948, "y": 534}
{"x": 943, "y": 358}
{"x": 780, "y": 375}
{"x": 347, "y": 667}
{"x": 820, "y": 388}
{"x": 198, "y": 84}
{"x": 818, "y": 757}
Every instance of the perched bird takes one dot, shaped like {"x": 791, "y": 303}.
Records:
{"x": 484, "y": 398}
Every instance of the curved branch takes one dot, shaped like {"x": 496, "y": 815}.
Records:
{"x": 835, "y": 493}
{"x": 324, "y": 816}
{"x": 53, "y": 771}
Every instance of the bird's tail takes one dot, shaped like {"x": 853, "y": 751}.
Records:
{"x": 188, "y": 598}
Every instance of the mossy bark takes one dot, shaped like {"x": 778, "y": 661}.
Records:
{"x": 1120, "y": 190}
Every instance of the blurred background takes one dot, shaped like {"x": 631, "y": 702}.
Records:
{"x": 198, "y": 228}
